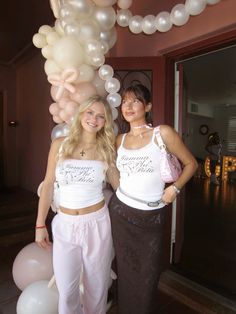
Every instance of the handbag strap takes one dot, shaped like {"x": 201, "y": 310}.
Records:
{"x": 160, "y": 142}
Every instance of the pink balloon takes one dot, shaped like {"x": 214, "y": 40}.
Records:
{"x": 32, "y": 264}
{"x": 107, "y": 195}
{"x": 63, "y": 115}
{"x": 54, "y": 109}
{"x": 54, "y": 90}
{"x": 71, "y": 108}
{"x": 84, "y": 90}
{"x": 57, "y": 119}
{"x": 63, "y": 102}
{"x": 99, "y": 85}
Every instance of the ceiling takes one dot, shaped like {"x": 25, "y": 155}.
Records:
{"x": 19, "y": 21}
{"x": 211, "y": 78}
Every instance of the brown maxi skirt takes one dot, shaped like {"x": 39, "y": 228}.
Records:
{"x": 137, "y": 236}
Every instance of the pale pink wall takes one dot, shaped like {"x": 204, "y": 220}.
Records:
{"x": 35, "y": 123}
{"x": 213, "y": 20}
{"x": 8, "y": 88}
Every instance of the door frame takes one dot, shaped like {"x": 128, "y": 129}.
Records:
{"x": 214, "y": 43}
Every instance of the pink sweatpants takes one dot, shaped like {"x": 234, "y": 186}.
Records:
{"x": 82, "y": 245}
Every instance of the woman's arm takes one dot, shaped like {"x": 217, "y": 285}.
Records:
{"x": 113, "y": 176}
{"x": 46, "y": 196}
{"x": 176, "y": 146}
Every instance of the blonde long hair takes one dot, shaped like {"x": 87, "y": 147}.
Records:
{"x": 105, "y": 137}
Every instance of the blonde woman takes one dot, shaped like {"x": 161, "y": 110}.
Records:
{"x": 82, "y": 242}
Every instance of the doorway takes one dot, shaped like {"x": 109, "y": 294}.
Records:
{"x": 1, "y": 141}
{"x": 208, "y": 254}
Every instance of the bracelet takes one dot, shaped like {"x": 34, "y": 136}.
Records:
{"x": 40, "y": 227}
{"x": 177, "y": 191}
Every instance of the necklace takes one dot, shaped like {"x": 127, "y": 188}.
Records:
{"x": 82, "y": 153}
{"x": 140, "y": 127}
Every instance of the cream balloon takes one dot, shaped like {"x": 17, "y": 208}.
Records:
{"x": 86, "y": 73}
{"x": 106, "y": 72}
{"x": 99, "y": 85}
{"x": 195, "y": 7}
{"x": 123, "y": 17}
{"x": 52, "y": 38}
{"x": 96, "y": 60}
{"x": 105, "y": 17}
{"x": 124, "y": 4}
{"x": 63, "y": 115}
{"x": 84, "y": 90}
{"x": 71, "y": 108}
{"x": 50, "y": 66}
{"x": 104, "y": 3}
{"x": 58, "y": 28}
{"x": 72, "y": 28}
{"x": 67, "y": 52}
{"x": 179, "y": 16}
{"x": 47, "y": 52}
{"x": 135, "y": 24}
{"x": 39, "y": 40}
{"x": 56, "y": 119}
{"x": 148, "y": 24}
{"x": 112, "y": 85}
{"x": 163, "y": 22}
{"x": 45, "y": 29}
{"x": 92, "y": 47}
{"x": 67, "y": 13}
{"x": 37, "y": 298}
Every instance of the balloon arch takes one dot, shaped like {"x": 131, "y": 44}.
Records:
{"x": 76, "y": 46}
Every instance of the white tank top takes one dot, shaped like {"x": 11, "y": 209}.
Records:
{"x": 80, "y": 182}
{"x": 140, "y": 175}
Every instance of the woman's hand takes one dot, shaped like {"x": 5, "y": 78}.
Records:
{"x": 169, "y": 195}
{"x": 42, "y": 238}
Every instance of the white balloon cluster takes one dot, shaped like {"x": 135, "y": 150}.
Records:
{"x": 75, "y": 49}
{"x": 163, "y": 21}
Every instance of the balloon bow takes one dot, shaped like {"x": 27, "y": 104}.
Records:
{"x": 63, "y": 81}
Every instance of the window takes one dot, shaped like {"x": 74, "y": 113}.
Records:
{"x": 231, "y": 143}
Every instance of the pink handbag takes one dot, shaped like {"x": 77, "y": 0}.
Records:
{"x": 170, "y": 167}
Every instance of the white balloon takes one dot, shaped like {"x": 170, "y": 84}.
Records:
{"x": 45, "y": 29}
{"x": 47, "y": 52}
{"x": 104, "y": 3}
{"x": 88, "y": 29}
{"x": 135, "y": 24}
{"x": 59, "y": 131}
{"x": 39, "y": 40}
{"x": 86, "y": 73}
{"x": 92, "y": 47}
{"x": 67, "y": 52}
{"x": 105, "y": 17}
{"x": 104, "y": 46}
{"x": 112, "y": 85}
{"x": 211, "y": 2}
{"x": 67, "y": 13}
{"x": 83, "y": 8}
{"x": 37, "y": 298}
{"x": 148, "y": 24}
{"x": 106, "y": 72}
{"x": 114, "y": 100}
{"x": 195, "y": 7}
{"x": 116, "y": 129}
{"x": 114, "y": 112}
{"x": 50, "y": 66}
{"x": 72, "y": 28}
{"x": 97, "y": 60}
{"x": 109, "y": 37}
{"x": 123, "y": 17}
{"x": 52, "y": 38}
{"x": 163, "y": 22}
{"x": 179, "y": 16}
{"x": 124, "y": 4}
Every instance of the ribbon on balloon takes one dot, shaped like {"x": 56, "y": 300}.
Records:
{"x": 64, "y": 81}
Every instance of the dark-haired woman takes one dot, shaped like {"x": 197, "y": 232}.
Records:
{"x": 137, "y": 209}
